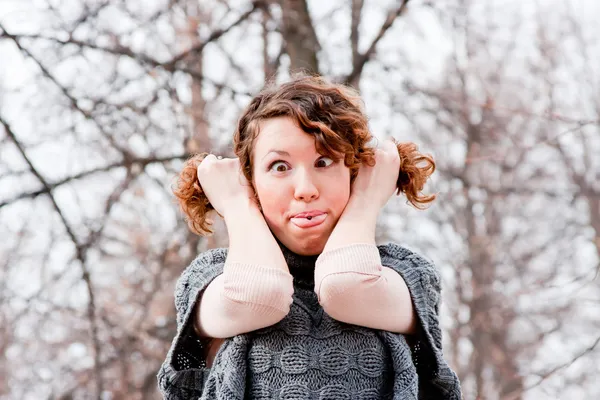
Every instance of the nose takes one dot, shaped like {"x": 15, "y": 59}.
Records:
{"x": 305, "y": 188}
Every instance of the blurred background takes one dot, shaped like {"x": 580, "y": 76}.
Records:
{"x": 101, "y": 101}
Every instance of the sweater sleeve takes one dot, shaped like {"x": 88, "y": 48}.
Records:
{"x": 437, "y": 380}
{"x": 184, "y": 371}
{"x": 246, "y": 297}
{"x": 354, "y": 287}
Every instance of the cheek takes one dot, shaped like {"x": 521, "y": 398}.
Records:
{"x": 271, "y": 199}
{"x": 338, "y": 191}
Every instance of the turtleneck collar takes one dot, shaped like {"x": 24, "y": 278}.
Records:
{"x": 302, "y": 268}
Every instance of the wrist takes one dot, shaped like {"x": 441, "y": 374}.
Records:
{"x": 240, "y": 207}
{"x": 362, "y": 207}
{"x": 354, "y": 226}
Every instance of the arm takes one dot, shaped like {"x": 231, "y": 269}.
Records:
{"x": 351, "y": 283}
{"x": 255, "y": 289}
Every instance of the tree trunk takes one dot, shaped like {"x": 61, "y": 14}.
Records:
{"x": 301, "y": 42}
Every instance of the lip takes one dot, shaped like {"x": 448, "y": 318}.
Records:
{"x": 312, "y": 213}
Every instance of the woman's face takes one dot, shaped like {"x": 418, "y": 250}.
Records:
{"x": 302, "y": 193}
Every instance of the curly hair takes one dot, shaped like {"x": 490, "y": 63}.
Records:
{"x": 334, "y": 115}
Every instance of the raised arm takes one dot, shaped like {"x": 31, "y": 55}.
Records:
{"x": 352, "y": 284}
{"x": 256, "y": 288}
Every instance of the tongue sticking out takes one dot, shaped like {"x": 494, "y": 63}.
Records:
{"x": 309, "y": 221}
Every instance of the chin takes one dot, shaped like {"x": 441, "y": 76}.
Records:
{"x": 310, "y": 249}
{"x": 305, "y": 246}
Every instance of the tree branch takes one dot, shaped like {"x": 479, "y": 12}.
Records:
{"x": 142, "y": 162}
{"x": 361, "y": 60}
{"x": 86, "y": 114}
{"x": 81, "y": 255}
{"x": 549, "y": 373}
{"x": 215, "y": 35}
{"x": 119, "y": 50}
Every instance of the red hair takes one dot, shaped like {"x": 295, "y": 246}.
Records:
{"x": 334, "y": 115}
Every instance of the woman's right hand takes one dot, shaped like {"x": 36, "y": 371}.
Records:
{"x": 224, "y": 184}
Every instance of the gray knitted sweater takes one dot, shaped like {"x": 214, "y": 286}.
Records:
{"x": 309, "y": 355}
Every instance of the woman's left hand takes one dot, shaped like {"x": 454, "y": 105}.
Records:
{"x": 374, "y": 185}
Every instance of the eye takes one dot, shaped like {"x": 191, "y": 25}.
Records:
{"x": 323, "y": 162}
{"x": 278, "y": 166}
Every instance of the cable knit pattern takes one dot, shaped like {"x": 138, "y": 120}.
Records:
{"x": 308, "y": 354}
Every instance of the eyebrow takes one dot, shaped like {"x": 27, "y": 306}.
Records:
{"x": 280, "y": 152}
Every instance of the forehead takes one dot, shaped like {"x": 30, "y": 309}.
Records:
{"x": 282, "y": 134}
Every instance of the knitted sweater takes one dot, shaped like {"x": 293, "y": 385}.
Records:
{"x": 309, "y": 355}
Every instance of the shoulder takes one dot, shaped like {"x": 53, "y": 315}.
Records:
{"x": 205, "y": 267}
{"x": 391, "y": 252}
{"x": 410, "y": 264}
{"x": 209, "y": 257}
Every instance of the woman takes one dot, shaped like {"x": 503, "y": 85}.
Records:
{"x": 303, "y": 304}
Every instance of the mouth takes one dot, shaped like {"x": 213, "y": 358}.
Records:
{"x": 309, "y": 219}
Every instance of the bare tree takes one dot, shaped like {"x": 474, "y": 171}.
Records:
{"x": 127, "y": 112}
{"x": 106, "y": 100}
{"x": 503, "y": 197}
